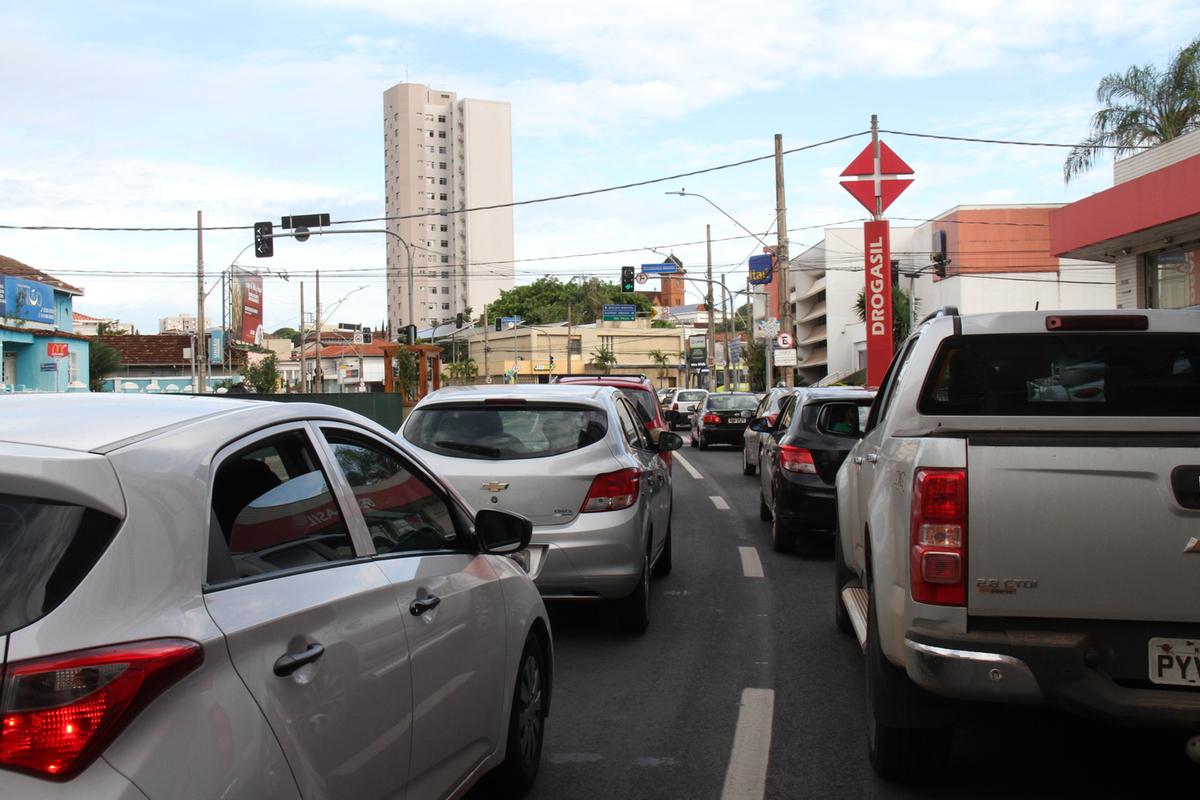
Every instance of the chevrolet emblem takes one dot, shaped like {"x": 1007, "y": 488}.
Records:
{"x": 494, "y": 486}
{"x": 1193, "y": 546}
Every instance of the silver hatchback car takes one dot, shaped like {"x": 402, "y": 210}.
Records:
{"x": 576, "y": 460}
{"x": 211, "y": 597}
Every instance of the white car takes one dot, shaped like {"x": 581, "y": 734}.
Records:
{"x": 679, "y": 407}
{"x": 207, "y": 597}
{"x": 577, "y": 461}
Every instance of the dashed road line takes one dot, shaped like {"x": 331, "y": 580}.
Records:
{"x": 688, "y": 466}
{"x": 719, "y": 502}
{"x": 746, "y": 776}
{"x": 751, "y": 563}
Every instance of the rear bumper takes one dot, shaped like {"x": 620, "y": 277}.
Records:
{"x": 807, "y": 501}
{"x": 724, "y": 435}
{"x": 596, "y": 556}
{"x": 1074, "y": 670}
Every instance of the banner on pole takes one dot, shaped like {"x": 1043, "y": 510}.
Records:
{"x": 878, "y": 297}
{"x": 246, "y": 305}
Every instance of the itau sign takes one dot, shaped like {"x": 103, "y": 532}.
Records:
{"x": 873, "y": 178}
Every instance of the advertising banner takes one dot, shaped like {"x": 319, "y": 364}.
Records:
{"x": 761, "y": 269}
{"x": 698, "y": 349}
{"x": 246, "y": 305}
{"x": 22, "y": 298}
{"x": 216, "y": 346}
{"x": 878, "y": 295}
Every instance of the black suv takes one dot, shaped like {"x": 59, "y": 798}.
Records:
{"x": 800, "y": 459}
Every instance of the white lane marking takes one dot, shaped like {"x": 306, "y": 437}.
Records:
{"x": 719, "y": 502}
{"x": 746, "y": 777}
{"x": 751, "y": 563}
{"x": 688, "y": 466}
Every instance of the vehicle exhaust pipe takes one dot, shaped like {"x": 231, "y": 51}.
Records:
{"x": 1193, "y": 749}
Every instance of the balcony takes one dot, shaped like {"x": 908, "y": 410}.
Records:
{"x": 819, "y": 334}
{"x": 817, "y": 287}
{"x": 816, "y": 311}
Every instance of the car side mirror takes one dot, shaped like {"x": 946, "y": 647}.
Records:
{"x": 669, "y": 441}
{"x": 762, "y": 425}
{"x": 502, "y": 532}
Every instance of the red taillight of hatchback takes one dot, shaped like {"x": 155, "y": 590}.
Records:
{"x": 711, "y": 419}
{"x": 612, "y": 491}
{"x": 937, "y": 561}
{"x": 796, "y": 459}
{"x": 59, "y": 713}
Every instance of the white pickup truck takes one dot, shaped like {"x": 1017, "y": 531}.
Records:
{"x": 1020, "y": 523}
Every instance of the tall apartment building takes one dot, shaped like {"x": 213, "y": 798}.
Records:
{"x": 444, "y": 155}
{"x": 180, "y": 323}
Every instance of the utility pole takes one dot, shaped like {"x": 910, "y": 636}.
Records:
{"x": 781, "y": 250}
{"x": 487, "y": 373}
{"x": 320, "y": 376}
{"x": 569, "y": 339}
{"x": 729, "y": 342}
{"x": 303, "y": 360}
{"x": 712, "y": 351}
{"x": 202, "y": 355}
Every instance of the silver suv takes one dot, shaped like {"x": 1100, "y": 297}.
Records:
{"x": 577, "y": 461}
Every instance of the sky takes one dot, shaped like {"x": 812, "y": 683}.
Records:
{"x": 139, "y": 114}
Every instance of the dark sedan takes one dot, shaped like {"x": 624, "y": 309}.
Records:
{"x": 800, "y": 460}
{"x": 722, "y": 418}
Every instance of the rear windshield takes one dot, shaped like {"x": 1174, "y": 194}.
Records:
{"x": 689, "y": 397}
{"x": 1066, "y": 374}
{"x": 46, "y": 549}
{"x": 644, "y": 401}
{"x": 732, "y": 402}
{"x": 503, "y": 433}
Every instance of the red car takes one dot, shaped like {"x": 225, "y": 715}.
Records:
{"x": 638, "y": 389}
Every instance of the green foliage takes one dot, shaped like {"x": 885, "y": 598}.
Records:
{"x": 755, "y": 356}
{"x": 102, "y": 361}
{"x": 604, "y": 358}
{"x": 288, "y": 333}
{"x": 662, "y": 323}
{"x": 108, "y": 329}
{"x": 901, "y": 313}
{"x": 742, "y": 318}
{"x": 1141, "y": 107}
{"x": 464, "y": 369}
{"x": 406, "y": 373}
{"x": 546, "y": 300}
{"x": 263, "y": 376}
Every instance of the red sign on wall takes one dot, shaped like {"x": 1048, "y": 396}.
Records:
{"x": 57, "y": 349}
{"x": 878, "y": 295}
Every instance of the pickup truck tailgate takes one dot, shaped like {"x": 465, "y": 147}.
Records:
{"x": 1083, "y": 530}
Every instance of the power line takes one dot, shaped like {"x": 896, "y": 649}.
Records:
{"x": 1009, "y": 141}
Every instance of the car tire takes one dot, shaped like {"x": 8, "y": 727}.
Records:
{"x": 747, "y": 467}
{"x": 634, "y": 611}
{"x": 764, "y": 510}
{"x": 900, "y": 753}
{"x": 703, "y": 444}
{"x": 663, "y": 565}
{"x": 526, "y": 725}
{"x": 842, "y": 577}
{"x": 783, "y": 536}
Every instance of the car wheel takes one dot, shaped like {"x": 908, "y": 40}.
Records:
{"x": 747, "y": 467}
{"x": 703, "y": 444}
{"x": 526, "y": 724}
{"x": 764, "y": 510}
{"x": 842, "y": 577}
{"x": 634, "y": 611}
{"x": 900, "y": 752}
{"x": 663, "y": 565}
{"x": 783, "y": 536}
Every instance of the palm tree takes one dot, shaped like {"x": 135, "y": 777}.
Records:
{"x": 1141, "y": 107}
{"x": 662, "y": 361}
{"x": 604, "y": 358}
{"x": 902, "y": 314}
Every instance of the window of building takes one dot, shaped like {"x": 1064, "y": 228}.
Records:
{"x": 441, "y": 165}
{"x": 1171, "y": 280}
{"x": 445, "y": 259}
{"x": 445, "y": 243}
{"x": 432, "y": 182}
{"x": 433, "y": 290}
{"x": 431, "y": 196}
{"x": 441, "y": 134}
{"x": 442, "y": 181}
{"x": 445, "y": 275}
{"x": 441, "y": 118}
{"x": 443, "y": 228}
{"x": 441, "y": 148}
{"x": 445, "y": 306}
{"x": 442, "y": 196}
{"x": 445, "y": 290}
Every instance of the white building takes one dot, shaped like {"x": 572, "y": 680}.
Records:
{"x": 444, "y": 155}
{"x": 181, "y": 323}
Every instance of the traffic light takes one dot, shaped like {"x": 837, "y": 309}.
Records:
{"x": 410, "y": 334}
{"x": 626, "y": 279}
{"x": 264, "y": 245}
{"x": 458, "y": 320}
{"x": 499, "y": 323}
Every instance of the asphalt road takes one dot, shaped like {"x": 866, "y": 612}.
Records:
{"x": 667, "y": 714}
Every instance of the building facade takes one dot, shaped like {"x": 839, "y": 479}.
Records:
{"x": 39, "y": 348}
{"x": 443, "y": 155}
{"x": 180, "y": 323}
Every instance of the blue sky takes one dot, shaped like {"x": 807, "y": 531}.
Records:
{"x": 140, "y": 113}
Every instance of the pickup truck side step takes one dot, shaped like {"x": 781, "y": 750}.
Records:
{"x": 855, "y": 599}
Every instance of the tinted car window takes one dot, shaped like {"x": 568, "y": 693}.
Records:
{"x": 631, "y": 428}
{"x": 403, "y": 514}
{"x": 643, "y": 401}
{"x": 843, "y": 418}
{"x": 731, "y": 402}
{"x": 689, "y": 397}
{"x": 1066, "y": 374}
{"x": 485, "y": 432}
{"x": 274, "y": 509}
{"x": 46, "y": 549}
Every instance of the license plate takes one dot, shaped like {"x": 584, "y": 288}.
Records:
{"x": 737, "y": 421}
{"x": 1175, "y": 662}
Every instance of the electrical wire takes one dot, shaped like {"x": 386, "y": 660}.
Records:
{"x": 978, "y": 140}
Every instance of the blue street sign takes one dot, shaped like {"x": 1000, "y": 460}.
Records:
{"x": 619, "y": 312}
{"x": 761, "y": 268}
{"x": 49, "y": 366}
{"x": 506, "y": 322}
{"x": 660, "y": 269}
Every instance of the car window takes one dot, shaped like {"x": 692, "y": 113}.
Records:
{"x": 403, "y": 514}
{"x": 46, "y": 549}
{"x": 843, "y": 418}
{"x": 273, "y": 509}
{"x": 505, "y": 432}
{"x": 789, "y": 405}
{"x": 633, "y": 430}
{"x": 643, "y": 401}
{"x": 689, "y": 397}
{"x": 891, "y": 382}
{"x": 731, "y": 402}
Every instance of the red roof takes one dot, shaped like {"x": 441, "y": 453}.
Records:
{"x": 10, "y": 266}
{"x": 77, "y": 317}
{"x": 161, "y": 349}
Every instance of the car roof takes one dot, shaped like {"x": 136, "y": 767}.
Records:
{"x": 838, "y": 393}
{"x": 573, "y": 392}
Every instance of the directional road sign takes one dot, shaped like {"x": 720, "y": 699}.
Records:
{"x": 619, "y": 312}
{"x": 660, "y": 269}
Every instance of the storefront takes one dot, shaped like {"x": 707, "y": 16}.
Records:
{"x": 39, "y": 352}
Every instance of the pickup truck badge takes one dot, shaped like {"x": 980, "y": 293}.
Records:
{"x": 1004, "y": 585}
{"x": 494, "y": 486}
{"x": 1193, "y": 546}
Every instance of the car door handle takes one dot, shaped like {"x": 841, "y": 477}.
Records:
{"x": 423, "y": 604}
{"x": 872, "y": 458}
{"x": 858, "y": 459}
{"x": 288, "y": 663}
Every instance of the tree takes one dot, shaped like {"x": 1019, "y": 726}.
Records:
{"x": 662, "y": 361}
{"x": 1141, "y": 107}
{"x": 102, "y": 361}
{"x": 263, "y": 376}
{"x": 288, "y": 333}
{"x": 662, "y": 323}
{"x": 463, "y": 369}
{"x": 406, "y": 373}
{"x": 901, "y": 314}
{"x": 604, "y": 358}
{"x": 546, "y": 300}
{"x": 743, "y": 317}
{"x": 756, "y": 361}
{"x": 109, "y": 329}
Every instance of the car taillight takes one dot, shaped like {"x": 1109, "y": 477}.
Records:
{"x": 612, "y": 491}
{"x": 937, "y": 561}
{"x": 712, "y": 419}
{"x": 674, "y": 406}
{"x": 796, "y": 459}
{"x": 59, "y": 713}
